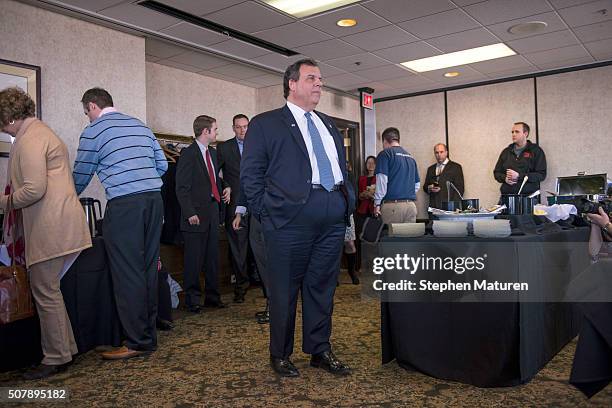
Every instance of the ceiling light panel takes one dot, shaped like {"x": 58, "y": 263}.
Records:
{"x": 453, "y": 59}
{"x": 302, "y": 8}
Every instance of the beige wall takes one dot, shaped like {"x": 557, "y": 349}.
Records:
{"x": 73, "y": 56}
{"x": 575, "y": 117}
{"x": 331, "y": 103}
{"x": 175, "y": 98}
{"x": 479, "y": 124}
{"x": 420, "y": 121}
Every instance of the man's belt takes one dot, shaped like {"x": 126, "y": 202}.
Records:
{"x": 336, "y": 187}
{"x": 398, "y": 201}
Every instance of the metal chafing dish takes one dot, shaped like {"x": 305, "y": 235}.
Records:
{"x": 592, "y": 187}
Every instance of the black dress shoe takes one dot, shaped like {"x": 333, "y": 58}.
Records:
{"x": 355, "y": 280}
{"x": 264, "y": 318}
{"x": 164, "y": 325}
{"x": 194, "y": 309}
{"x": 284, "y": 367}
{"x": 238, "y": 298}
{"x": 329, "y": 362}
{"x": 44, "y": 371}
{"x": 215, "y": 305}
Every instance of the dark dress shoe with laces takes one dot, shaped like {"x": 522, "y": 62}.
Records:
{"x": 44, "y": 371}
{"x": 264, "y": 318}
{"x": 284, "y": 367}
{"x": 164, "y": 325}
{"x": 238, "y": 298}
{"x": 329, "y": 362}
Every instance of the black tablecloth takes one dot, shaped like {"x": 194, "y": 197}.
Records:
{"x": 486, "y": 344}
{"x": 88, "y": 296}
{"x": 592, "y": 368}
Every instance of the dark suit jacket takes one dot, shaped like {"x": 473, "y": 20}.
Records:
{"x": 275, "y": 169}
{"x": 193, "y": 188}
{"x": 452, "y": 172}
{"x": 228, "y": 155}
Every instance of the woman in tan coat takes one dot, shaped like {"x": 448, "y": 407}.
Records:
{"x": 41, "y": 188}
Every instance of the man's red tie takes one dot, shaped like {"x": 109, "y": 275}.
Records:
{"x": 211, "y": 176}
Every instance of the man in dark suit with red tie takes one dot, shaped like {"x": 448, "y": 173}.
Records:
{"x": 293, "y": 174}
{"x": 198, "y": 188}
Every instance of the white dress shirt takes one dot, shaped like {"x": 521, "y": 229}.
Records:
{"x": 326, "y": 137}
{"x": 203, "y": 149}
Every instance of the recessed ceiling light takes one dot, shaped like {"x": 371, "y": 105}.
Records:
{"x": 346, "y": 22}
{"x": 453, "y": 59}
{"x": 303, "y": 8}
{"x": 451, "y": 74}
{"x": 531, "y": 27}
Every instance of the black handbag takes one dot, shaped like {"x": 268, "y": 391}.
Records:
{"x": 371, "y": 230}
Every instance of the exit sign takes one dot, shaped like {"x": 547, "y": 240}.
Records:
{"x": 367, "y": 101}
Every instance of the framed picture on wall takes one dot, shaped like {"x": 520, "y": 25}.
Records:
{"x": 26, "y": 77}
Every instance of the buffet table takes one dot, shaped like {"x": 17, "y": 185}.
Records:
{"x": 89, "y": 299}
{"x": 486, "y": 344}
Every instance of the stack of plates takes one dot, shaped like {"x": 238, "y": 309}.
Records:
{"x": 492, "y": 228}
{"x": 407, "y": 230}
{"x": 450, "y": 228}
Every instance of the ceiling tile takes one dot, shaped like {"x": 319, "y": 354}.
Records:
{"x": 328, "y": 50}
{"x": 566, "y": 63}
{"x": 587, "y": 13}
{"x": 602, "y": 50}
{"x": 92, "y": 5}
{"x": 397, "y": 11}
{"x": 199, "y": 8}
{"x": 250, "y": 84}
{"x": 345, "y": 81}
{"x": 385, "y": 72}
{"x": 552, "y": 19}
{"x": 496, "y": 11}
{"x": 219, "y": 76}
{"x": 383, "y": 37}
{"x": 139, "y": 16}
{"x": 178, "y": 65}
{"x": 239, "y": 71}
{"x": 408, "y": 81}
{"x": 162, "y": 49}
{"x": 594, "y": 32}
{"x": 278, "y": 61}
{"x": 462, "y": 3}
{"x": 513, "y": 72}
{"x": 464, "y": 40}
{"x": 292, "y": 35}
{"x": 408, "y": 52}
{"x": 543, "y": 42}
{"x": 436, "y": 25}
{"x": 194, "y": 34}
{"x": 240, "y": 49}
{"x": 559, "y": 4}
{"x": 379, "y": 86}
{"x": 512, "y": 62}
{"x": 249, "y": 17}
{"x": 198, "y": 59}
{"x": 558, "y": 54}
{"x": 365, "y": 61}
{"x": 328, "y": 71}
{"x": 151, "y": 58}
{"x": 366, "y": 20}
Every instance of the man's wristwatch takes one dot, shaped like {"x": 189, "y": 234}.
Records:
{"x": 607, "y": 227}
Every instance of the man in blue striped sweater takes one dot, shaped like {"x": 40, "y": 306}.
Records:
{"x": 129, "y": 163}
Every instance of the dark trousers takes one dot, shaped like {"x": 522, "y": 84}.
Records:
{"x": 256, "y": 240}
{"x": 132, "y": 227}
{"x": 304, "y": 255}
{"x": 201, "y": 254}
{"x": 239, "y": 246}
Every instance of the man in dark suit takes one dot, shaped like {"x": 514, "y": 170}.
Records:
{"x": 438, "y": 174}
{"x": 229, "y": 154}
{"x": 293, "y": 174}
{"x": 197, "y": 190}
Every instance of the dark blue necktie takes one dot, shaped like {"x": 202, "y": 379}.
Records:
{"x": 326, "y": 175}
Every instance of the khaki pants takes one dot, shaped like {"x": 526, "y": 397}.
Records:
{"x": 57, "y": 340}
{"x": 398, "y": 213}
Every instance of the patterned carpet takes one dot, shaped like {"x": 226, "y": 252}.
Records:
{"x": 220, "y": 359}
